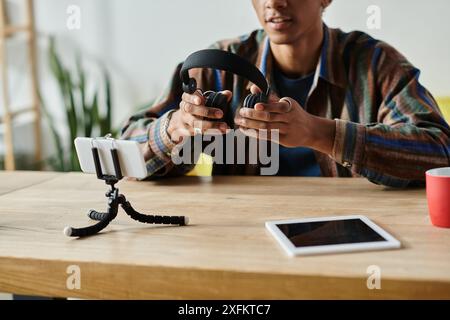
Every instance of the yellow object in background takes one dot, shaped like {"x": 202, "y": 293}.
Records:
{"x": 444, "y": 105}
{"x": 205, "y": 163}
{"x": 203, "y": 168}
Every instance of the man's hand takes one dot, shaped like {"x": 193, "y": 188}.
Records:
{"x": 297, "y": 128}
{"x": 194, "y": 117}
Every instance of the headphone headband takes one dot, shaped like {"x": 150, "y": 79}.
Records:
{"x": 226, "y": 61}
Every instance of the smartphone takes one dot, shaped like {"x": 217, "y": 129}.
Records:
{"x": 131, "y": 159}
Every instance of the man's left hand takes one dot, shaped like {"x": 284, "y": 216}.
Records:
{"x": 297, "y": 128}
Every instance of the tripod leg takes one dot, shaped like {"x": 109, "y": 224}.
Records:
{"x": 87, "y": 231}
{"x": 95, "y": 215}
{"x": 175, "y": 220}
{"x": 113, "y": 206}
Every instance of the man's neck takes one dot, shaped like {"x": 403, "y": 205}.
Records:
{"x": 299, "y": 58}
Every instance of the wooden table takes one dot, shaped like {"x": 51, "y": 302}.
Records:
{"x": 226, "y": 252}
{"x": 10, "y": 182}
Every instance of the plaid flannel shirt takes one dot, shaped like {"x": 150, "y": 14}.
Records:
{"x": 389, "y": 128}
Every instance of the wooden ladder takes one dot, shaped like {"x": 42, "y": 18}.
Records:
{"x": 7, "y": 31}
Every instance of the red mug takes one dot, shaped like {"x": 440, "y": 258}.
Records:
{"x": 438, "y": 195}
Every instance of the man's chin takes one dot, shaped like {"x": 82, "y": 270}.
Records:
{"x": 281, "y": 39}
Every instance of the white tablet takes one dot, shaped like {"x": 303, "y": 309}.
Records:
{"x": 330, "y": 235}
{"x": 131, "y": 159}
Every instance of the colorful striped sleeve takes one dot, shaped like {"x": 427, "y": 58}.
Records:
{"x": 410, "y": 135}
{"x": 154, "y": 141}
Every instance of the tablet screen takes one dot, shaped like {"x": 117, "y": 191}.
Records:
{"x": 321, "y": 233}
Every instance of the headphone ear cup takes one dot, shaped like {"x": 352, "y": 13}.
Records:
{"x": 252, "y": 99}
{"x": 216, "y": 100}
{"x": 248, "y": 101}
{"x": 209, "y": 98}
{"x": 262, "y": 98}
{"x": 221, "y": 102}
{"x": 190, "y": 87}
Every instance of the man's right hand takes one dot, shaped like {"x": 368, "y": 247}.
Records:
{"x": 193, "y": 117}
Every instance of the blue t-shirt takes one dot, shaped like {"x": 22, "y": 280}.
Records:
{"x": 296, "y": 161}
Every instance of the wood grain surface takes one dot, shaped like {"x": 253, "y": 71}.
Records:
{"x": 226, "y": 252}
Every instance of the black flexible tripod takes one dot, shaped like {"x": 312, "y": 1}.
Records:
{"x": 114, "y": 200}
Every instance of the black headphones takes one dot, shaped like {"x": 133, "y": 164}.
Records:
{"x": 226, "y": 61}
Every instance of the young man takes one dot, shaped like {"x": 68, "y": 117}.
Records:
{"x": 352, "y": 106}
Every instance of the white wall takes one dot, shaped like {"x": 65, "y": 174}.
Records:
{"x": 419, "y": 29}
{"x": 141, "y": 41}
